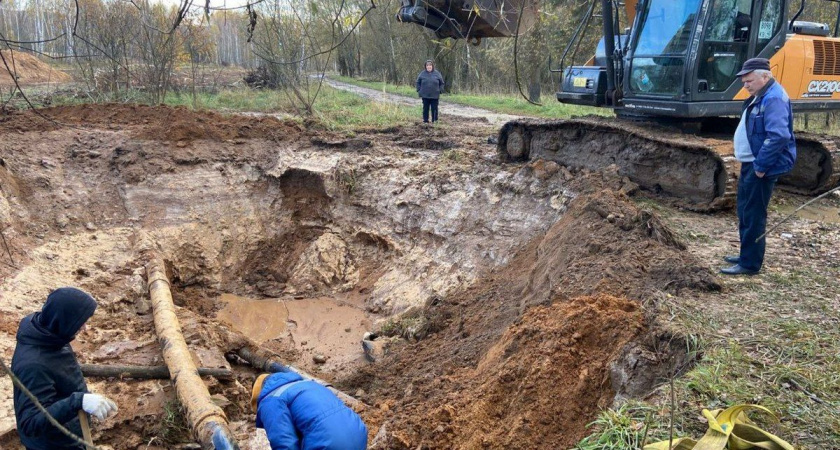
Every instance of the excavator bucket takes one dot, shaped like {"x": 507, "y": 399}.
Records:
{"x": 470, "y": 19}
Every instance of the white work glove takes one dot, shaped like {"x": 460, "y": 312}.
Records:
{"x": 98, "y": 406}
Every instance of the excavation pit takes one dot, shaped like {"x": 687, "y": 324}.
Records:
{"x": 472, "y": 272}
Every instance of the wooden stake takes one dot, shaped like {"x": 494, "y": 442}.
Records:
{"x": 85, "y": 423}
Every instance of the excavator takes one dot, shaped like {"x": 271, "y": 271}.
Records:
{"x": 669, "y": 70}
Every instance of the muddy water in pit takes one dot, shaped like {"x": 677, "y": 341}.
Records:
{"x": 324, "y": 325}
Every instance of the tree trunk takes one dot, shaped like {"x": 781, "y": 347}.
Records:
{"x": 534, "y": 89}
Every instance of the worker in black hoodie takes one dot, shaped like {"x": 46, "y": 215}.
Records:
{"x": 46, "y": 365}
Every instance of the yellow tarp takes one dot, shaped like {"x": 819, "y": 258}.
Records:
{"x": 729, "y": 429}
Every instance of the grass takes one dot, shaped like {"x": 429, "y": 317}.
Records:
{"x": 552, "y": 109}
{"x": 771, "y": 340}
{"x": 778, "y": 374}
{"x": 774, "y": 370}
{"x": 453, "y": 155}
{"x": 239, "y": 100}
{"x": 798, "y": 278}
{"x": 173, "y": 426}
{"x": 625, "y": 428}
{"x": 333, "y": 109}
{"x": 345, "y": 111}
{"x": 500, "y": 103}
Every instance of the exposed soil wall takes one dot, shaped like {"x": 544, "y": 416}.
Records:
{"x": 556, "y": 321}
{"x": 254, "y": 207}
{"x": 528, "y": 293}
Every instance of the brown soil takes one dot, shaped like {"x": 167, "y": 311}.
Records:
{"x": 28, "y": 69}
{"x": 163, "y": 123}
{"x": 546, "y": 323}
{"x": 518, "y": 299}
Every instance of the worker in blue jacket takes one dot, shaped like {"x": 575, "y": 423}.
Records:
{"x": 765, "y": 146}
{"x": 45, "y": 364}
{"x": 300, "y": 414}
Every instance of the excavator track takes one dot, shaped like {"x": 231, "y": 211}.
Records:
{"x": 699, "y": 172}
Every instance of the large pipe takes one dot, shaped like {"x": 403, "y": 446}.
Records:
{"x": 207, "y": 420}
{"x": 267, "y": 362}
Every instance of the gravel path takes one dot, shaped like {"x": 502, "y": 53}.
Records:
{"x": 444, "y": 108}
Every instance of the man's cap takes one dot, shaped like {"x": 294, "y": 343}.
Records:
{"x": 753, "y": 64}
{"x": 255, "y": 392}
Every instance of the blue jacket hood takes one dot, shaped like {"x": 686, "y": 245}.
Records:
{"x": 277, "y": 380}
{"x": 64, "y": 313}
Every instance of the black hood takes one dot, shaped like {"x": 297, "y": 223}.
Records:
{"x": 64, "y": 313}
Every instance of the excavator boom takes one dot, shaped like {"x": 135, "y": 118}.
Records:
{"x": 470, "y": 19}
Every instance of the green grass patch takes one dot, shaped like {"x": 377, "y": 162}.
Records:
{"x": 400, "y": 89}
{"x": 783, "y": 379}
{"x": 500, "y": 103}
{"x": 172, "y": 427}
{"x": 626, "y": 428}
{"x": 777, "y": 371}
{"x": 797, "y": 278}
{"x": 333, "y": 109}
{"x": 771, "y": 340}
{"x": 239, "y": 99}
{"x": 341, "y": 110}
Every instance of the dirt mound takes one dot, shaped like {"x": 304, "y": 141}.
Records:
{"x": 491, "y": 349}
{"x": 28, "y": 69}
{"x": 162, "y": 123}
{"x": 560, "y": 349}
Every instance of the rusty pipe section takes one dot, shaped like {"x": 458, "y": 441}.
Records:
{"x": 207, "y": 420}
{"x": 266, "y": 362}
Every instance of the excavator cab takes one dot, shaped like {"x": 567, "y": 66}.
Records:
{"x": 686, "y": 66}
{"x": 680, "y": 57}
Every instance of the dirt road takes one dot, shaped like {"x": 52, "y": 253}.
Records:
{"x": 452, "y": 109}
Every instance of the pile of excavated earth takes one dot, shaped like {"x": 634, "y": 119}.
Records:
{"x": 27, "y": 69}
{"x": 509, "y": 301}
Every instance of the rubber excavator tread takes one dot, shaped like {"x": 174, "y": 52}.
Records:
{"x": 700, "y": 173}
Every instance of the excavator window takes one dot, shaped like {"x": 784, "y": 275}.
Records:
{"x": 667, "y": 27}
{"x": 726, "y": 43}
{"x": 769, "y": 23}
{"x": 659, "y": 54}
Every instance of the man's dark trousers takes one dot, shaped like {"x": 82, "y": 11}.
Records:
{"x": 753, "y": 198}
{"x": 430, "y": 103}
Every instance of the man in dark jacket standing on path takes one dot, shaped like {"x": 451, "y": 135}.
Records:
{"x": 46, "y": 365}
{"x": 429, "y": 86}
{"x": 765, "y": 146}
